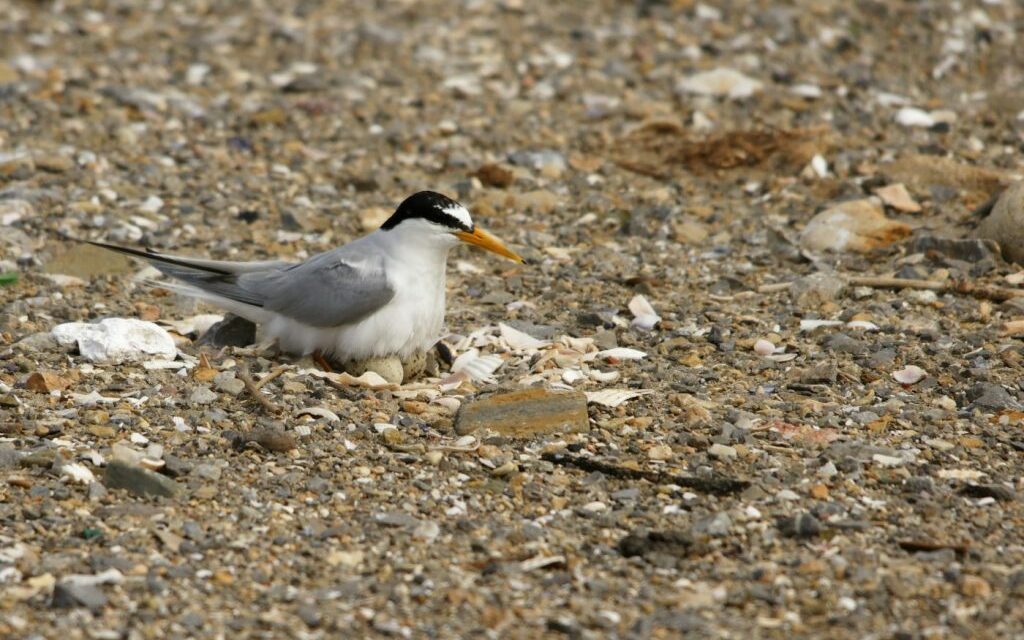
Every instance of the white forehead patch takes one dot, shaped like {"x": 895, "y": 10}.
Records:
{"x": 460, "y": 213}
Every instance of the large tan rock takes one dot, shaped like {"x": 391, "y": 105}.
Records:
{"x": 1005, "y": 224}
{"x": 856, "y": 225}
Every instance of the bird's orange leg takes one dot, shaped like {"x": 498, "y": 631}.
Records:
{"x": 321, "y": 361}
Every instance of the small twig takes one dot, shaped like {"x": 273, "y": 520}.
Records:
{"x": 778, "y": 449}
{"x": 276, "y": 373}
{"x": 883, "y": 282}
{"x": 996, "y": 294}
{"x": 716, "y": 485}
{"x": 775, "y": 287}
{"x": 254, "y": 391}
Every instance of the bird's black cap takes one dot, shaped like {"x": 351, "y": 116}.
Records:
{"x": 432, "y": 207}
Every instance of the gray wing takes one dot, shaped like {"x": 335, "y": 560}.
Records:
{"x": 328, "y": 290}
{"x": 334, "y": 288}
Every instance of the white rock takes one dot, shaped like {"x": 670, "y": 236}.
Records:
{"x": 887, "y": 461}
{"x": 427, "y": 531}
{"x": 811, "y": 91}
{"x": 152, "y": 204}
{"x": 722, "y": 452}
{"x": 910, "y": 374}
{"x": 722, "y": 82}
{"x": 914, "y": 117}
{"x": 13, "y": 210}
{"x": 811, "y": 325}
{"x": 116, "y": 340}
{"x": 77, "y": 473}
{"x": 819, "y": 165}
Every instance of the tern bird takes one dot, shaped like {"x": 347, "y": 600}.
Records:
{"x": 380, "y": 295}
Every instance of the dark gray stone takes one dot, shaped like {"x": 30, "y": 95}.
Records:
{"x": 802, "y": 525}
{"x": 9, "y": 457}
{"x": 68, "y": 595}
{"x": 968, "y": 250}
{"x": 842, "y": 343}
{"x": 141, "y": 482}
{"x": 992, "y": 397}
{"x": 232, "y": 331}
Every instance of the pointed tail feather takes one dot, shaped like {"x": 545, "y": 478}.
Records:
{"x": 214, "y": 278}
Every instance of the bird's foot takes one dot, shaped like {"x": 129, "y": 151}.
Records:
{"x": 321, "y": 361}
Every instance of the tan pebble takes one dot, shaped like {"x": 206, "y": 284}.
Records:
{"x": 414, "y": 407}
{"x": 660, "y": 452}
{"x": 975, "y": 587}
{"x": 488, "y": 451}
{"x": 506, "y": 469}
{"x": 971, "y": 442}
{"x": 273, "y": 440}
{"x": 45, "y": 382}
{"x": 223, "y": 577}
{"x": 433, "y": 457}
{"x": 204, "y": 374}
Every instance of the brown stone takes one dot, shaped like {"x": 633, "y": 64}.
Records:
{"x": 45, "y": 382}
{"x": 919, "y": 172}
{"x": 495, "y": 175}
{"x": 525, "y": 413}
{"x": 1005, "y": 224}
{"x": 855, "y": 225}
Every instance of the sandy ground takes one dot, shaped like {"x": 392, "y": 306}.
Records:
{"x": 786, "y": 442}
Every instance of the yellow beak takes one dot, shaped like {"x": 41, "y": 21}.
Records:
{"x": 481, "y": 238}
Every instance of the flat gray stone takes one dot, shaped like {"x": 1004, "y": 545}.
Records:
{"x": 141, "y": 482}
{"x": 525, "y": 413}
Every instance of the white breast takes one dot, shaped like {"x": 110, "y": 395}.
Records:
{"x": 411, "y": 321}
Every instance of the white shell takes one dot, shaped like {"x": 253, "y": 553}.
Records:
{"x": 477, "y": 367}
{"x": 862, "y": 324}
{"x": 644, "y": 315}
{"x": 621, "y": 353}
{"x": 615, "y": 397}
{"x": 572, "y": 376}
{"x": 764, "y": 347}
{"x": 518, "y": 340}
{"x": 811, "y": 325}
{"x": 604, "y": 376}
{"x": 318, "y": 412}
{"x": 369, "y": 380}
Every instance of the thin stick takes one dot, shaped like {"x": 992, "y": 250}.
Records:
{"x": 996, "y": 294}
{"x": 276, "y": 373}
{"x": 775, "y": 287}
{"x": 254, "y": 391}
{"x": 882, "y": 282}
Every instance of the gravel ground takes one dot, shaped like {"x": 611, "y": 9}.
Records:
{"x": 759, "y": 247}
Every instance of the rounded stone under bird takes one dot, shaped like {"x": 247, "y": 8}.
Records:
{"x": 378, "y": 296}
